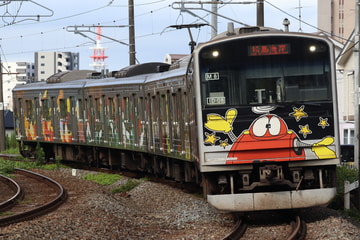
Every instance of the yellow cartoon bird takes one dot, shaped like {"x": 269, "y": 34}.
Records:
{"x": 217, "y": 123}
{"x": 321, "y": 150}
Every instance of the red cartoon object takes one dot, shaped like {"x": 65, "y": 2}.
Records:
{"x": 270, "y": 134}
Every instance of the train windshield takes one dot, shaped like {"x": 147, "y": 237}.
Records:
{"x": 265, "y": 70}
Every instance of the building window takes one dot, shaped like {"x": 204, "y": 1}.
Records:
{"x": 42, "y": 56}
{"x": 42, "y": 72}
{"x": 43, "y": 64}
{"x": 349, "y": 136}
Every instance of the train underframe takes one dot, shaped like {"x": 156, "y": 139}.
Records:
{"x": 271, "y": 185}
{"x": 264, "y": 186}
{"x": 179, "y": 170}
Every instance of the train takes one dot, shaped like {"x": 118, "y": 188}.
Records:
{"x": 251, "y": 116}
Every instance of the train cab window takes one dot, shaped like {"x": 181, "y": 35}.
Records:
{"x": 264, "y": 71}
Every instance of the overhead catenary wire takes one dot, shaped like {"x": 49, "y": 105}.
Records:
{"x": 111, "y": 4}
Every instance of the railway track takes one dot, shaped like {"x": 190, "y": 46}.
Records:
{"x": 34, "y": 195}
{"x": 297, "y": 232}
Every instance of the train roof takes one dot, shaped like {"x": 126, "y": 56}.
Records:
{"x": 70, "y": 76}
{"x": 44, "y": 85}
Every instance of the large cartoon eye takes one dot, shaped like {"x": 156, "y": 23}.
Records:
{"x": 259, "y": 127}
{"x": 274, "y": 126}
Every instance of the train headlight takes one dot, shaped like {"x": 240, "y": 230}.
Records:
{"x": 312, "y": 48}
{"x": 215, "y": 53}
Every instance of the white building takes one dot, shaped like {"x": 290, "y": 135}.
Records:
{"x": 15, "y": 73}
{"x": 337, "y": 20}
{"x": 49, "y": 63}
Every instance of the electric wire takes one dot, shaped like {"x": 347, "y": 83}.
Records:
{"x": 110, "y": 4}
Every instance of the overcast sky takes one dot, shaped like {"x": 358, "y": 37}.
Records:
{"x": 22, "y": 34}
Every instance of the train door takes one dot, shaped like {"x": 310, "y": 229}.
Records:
{"x": 79, "y": 110}
{"x": 155, "y": 120}
{"x": 176, "y": 113}
{"x": 89, "y": 120}
{"x": 112, "y": 126}
{"x": 73, "y": 119}
{"x": 19, "y": 119}
{"x": 165, "y": 146}
{"x": 99, "y": 120}
{"x": 55, "y": 119}
{"x": 127, "y": 117}
{"x": 119, "y": 119}
{"x": 47, "y": 120}
{"x": 65, "y": 120}
{"x": 29, "y": 120}
{"x": 185, "y": 127}
{"x": 37, "y": 116}
{"x": 141, "y": 125}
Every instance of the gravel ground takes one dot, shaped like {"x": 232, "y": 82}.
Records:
{"x": 154, "y": 211}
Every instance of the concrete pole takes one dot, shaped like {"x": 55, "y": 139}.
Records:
{"x": 356, "y": 85}
{"x": 132, "y": 57}
{"x": 356, "y": 90}
{"x": 214, "y": 19}
{"x": 2, "y": 125}
{"x": 260, "y": 13}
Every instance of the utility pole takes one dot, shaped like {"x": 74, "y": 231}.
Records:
{"x": 356, "y": 89}
{"x": 131, "y": 33}
{"x": 356, "y": 84}
{"x": 260, "y": 13}
{"x": 2, "y": 125}
{"x": 214, "y": 19}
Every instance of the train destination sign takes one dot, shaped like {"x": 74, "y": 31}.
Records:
{"x": 265, "y": 50}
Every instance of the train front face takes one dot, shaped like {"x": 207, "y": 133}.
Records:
{"x": 268, "y": 127}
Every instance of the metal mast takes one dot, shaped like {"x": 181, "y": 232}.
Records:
{"x": 132, "y": 57}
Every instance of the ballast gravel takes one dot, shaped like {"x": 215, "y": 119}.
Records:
{"x": 155, "y": 211}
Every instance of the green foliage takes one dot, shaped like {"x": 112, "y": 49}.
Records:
{"x": 40, "y": 154}
{"x": 343, "y": 173}
{"x": 7, "y": 166}
{"x": 10, "y": 142}
{"x": 130, "y": 184}
{"x": 102, "y": 178}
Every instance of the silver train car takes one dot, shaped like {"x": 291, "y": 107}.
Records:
{"x": 250, "y": 115}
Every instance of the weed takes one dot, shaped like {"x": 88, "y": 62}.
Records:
{"x": 130, "y": 184}
{"x": 102, "y": 178}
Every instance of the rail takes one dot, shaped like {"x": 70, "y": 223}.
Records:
{"x": 17, "y": 190}
{"x": 53, "y": 204}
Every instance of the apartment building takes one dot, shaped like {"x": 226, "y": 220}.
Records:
{"x": 15, "y": 73}
{"x": 49, "y": 63}
{"x": 336, "y": 18}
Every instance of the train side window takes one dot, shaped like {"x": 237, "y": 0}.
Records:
{"x": 97, "y": 108}
{"x": 102, "y": 108}
{"x": 79, "y": 110}
{"x": 126, "y": 108}
{"x": 29, "y": 109}
{"x": 62, "y": 108}
{"x": 111, "y": 108}
{"x": 45, "y": 109}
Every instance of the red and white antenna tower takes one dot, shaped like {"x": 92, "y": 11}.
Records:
{"x": 99, "y": 53}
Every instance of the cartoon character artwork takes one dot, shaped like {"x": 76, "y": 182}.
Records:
{"x": 268, "y": 137}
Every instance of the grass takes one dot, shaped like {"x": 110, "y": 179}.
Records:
{"x": 102, "y": 178}
{"x": 130, "y": 184}
{"x": 343, "y": 173}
